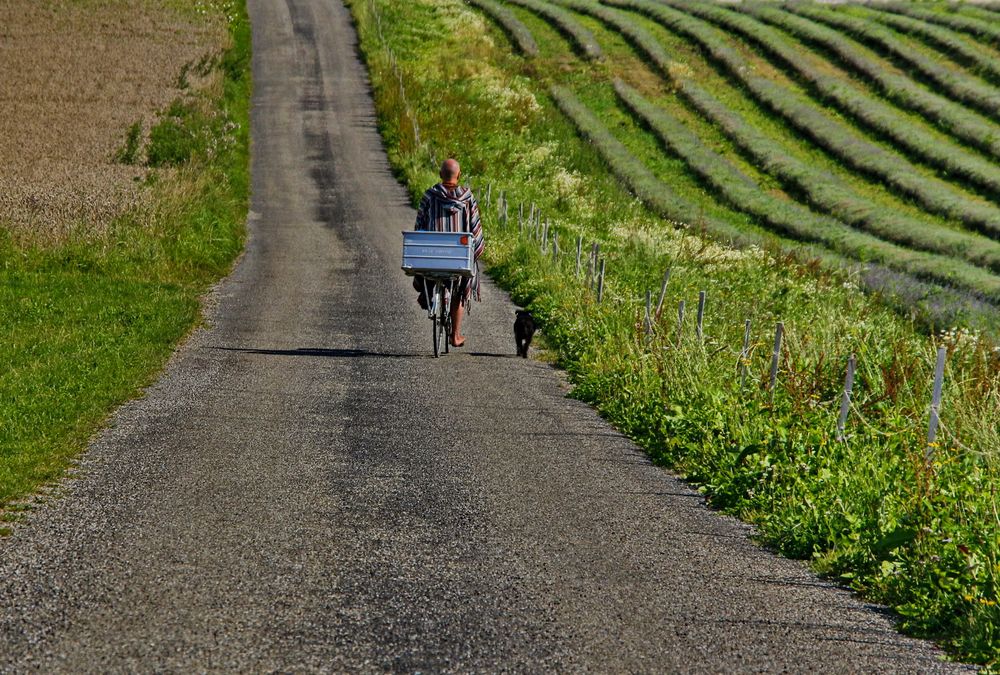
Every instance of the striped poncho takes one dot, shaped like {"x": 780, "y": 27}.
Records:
{"x": 451, "y": 209}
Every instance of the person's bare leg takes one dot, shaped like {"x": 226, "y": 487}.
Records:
{"x": 457, "y": 339}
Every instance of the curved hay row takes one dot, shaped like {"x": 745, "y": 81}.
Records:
{"x": 971, "y": 26}
{"x": 835, "y": 196}
{"x": 513, "y": 26}
{"x": 794, "y": 220}
{"x": 944, "y": 40}
{"x": 835, "y": 136}
{"x": 972, "y": 91}
{"x": 964, "y": 124}
{"x": 564, "y": 22}
{"x": 878, "y": 116}
{"x": 900, "y": 289}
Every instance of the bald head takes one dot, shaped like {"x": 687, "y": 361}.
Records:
{"x": 450, "y": 170}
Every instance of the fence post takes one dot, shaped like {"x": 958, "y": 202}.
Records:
{"x": 520, "y": 217}
{"x": 932, "y": 425}
{"x": 489, "y": 195}
{"x": 649, "y": 316}
{"x": 555, "y": 246}
{"x": 845, "y": 401}
{"x": 595, "y": 253}
{"x": 745, "y": 354}
{"x": 663, "y": 293}
{"x": 680, "y": 321}
{"x": 579, "y": 250}
{"x": 701, "y": 314}
{"x": 600, "y": 283}
{"x": 779, "y": 331}
{"x": 545, "y": 236}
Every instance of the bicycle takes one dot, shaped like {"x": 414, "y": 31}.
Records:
{"x": 441, "y": 259}
{"x": 439, "y": 310}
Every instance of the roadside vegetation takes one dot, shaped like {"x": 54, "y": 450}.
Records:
{"x": 93, "y": 304}
{"x": 906, "y": 523}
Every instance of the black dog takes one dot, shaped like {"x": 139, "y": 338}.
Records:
{"x": 524, "y": 328}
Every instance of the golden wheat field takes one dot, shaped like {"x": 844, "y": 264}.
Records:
{"x": 75, "y": 77}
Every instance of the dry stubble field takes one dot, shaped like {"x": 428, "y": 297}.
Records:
{"x": 76, "y": 76}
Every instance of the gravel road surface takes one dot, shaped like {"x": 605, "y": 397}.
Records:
{"x": 306, "y": 489}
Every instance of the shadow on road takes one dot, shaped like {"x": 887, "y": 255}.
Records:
{"x": 328, "y": 353}
{"x": 349, "y": 353}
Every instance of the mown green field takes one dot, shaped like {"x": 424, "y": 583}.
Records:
{"x": 795, "y": 166}
{"x": 89, "y": 320}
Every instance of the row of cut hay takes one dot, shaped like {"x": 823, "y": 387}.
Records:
{"x": 966, "y": 125}
{"x": 640, "y": 180}
{"x": 984, "y": 30}
{"x": 791, "y": 218}
{"x": 882, "y": 118}
{"x": 835, "y": 195}
{"x": 566, "y": 24}
{"x": 937, "y": 305}
{"x": 969, "y": 90}
{"x": 821, "y": 188}
{"x": 838, "y": 138}
{"x": 513, "y": 26}
{"x": 944, "y": 40}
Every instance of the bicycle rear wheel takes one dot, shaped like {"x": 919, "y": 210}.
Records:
{"x": 436, "y": 326}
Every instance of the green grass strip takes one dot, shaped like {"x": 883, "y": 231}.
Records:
{"x": 564, "y": 22}
{"x": 884, "y": 119}
{"x": 518, "y": 32}
{"x": 88, "y": 323}
{"x": 975, "y": 93}
{"x": 793, "y": 219}
{"x": 946, "y": 41}
{"x": 837, "y": 137}
{"x": 836, "y": 196}
{"x": 945, "y": 16}
{"x": 964, "y": 124}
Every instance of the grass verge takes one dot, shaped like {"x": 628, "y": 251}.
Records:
{"x": 90, "y": 321}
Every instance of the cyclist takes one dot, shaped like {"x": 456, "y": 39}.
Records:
{"x": 449, "y": 207}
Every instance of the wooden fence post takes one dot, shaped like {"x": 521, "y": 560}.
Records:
{"x": 545, "y": 236}
{"x": 845, "y": 400}
{"x": 579, "y": 250}
{"x": 779, "y": 331}
{"x": 932, "y": 425}
{"x": 680, "y": 321}
{"x": 745, "y": 354}
{"x": 520, "y": 217}
{"x": 701, "y": 314}
{"x": 663, "y": 293}
{"x": 649, "y": 312}
{"x": 555, "y": 246}
{"x": 489, "y": 195}
{"x": 600, "y": 283}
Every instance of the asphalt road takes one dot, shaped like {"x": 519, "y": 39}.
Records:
{"x": 306, "y": 489}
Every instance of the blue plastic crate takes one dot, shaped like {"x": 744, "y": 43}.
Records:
{"x": 438, "y": 253}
